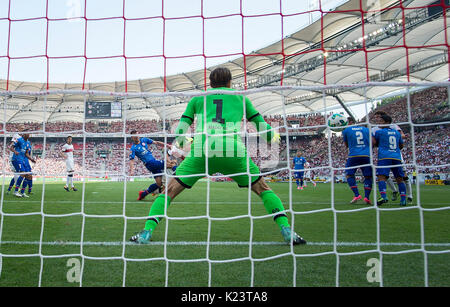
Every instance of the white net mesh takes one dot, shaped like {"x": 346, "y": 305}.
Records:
{"x": 203, "y": 224}
{"x": 348, "y": 57}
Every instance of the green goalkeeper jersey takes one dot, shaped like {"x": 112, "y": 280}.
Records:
{"x": 223, "y": 121}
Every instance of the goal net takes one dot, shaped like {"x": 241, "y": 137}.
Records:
{"x": 106, "y": 72}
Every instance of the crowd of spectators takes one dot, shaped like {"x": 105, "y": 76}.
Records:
{"x": 105, "y": 155}
{"x": 427, "y": 105}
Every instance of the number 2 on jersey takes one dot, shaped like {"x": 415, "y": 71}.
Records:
{"x": 359, "y": 138}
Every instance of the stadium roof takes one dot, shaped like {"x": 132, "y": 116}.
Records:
{"x": 387, "y": 59}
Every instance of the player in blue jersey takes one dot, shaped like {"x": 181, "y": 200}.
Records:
{"x": 19, "y": 150}
{"x": 298, "y": 164}
{"x": 28, "y": 180}
{"x": 13, "y": 168}
{"x": 357, "y": 140}
{"x": 389, "y": 181}
{"x": 389, "y": 142}
{"x": 140, "y": 149}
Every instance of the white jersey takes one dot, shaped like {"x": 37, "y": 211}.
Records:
{"x": 307, "y": 170}
{"x": 392, "y": 126}
{"x": 68, "y": 151}
{"x": 14, "y": 140}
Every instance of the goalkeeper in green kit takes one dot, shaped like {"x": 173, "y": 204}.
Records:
{"x": 218, "y": 148}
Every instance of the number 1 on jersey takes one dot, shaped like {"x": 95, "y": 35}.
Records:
{"x": 219, "y": 110}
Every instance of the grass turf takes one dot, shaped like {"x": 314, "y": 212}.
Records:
{"x": 93, "y": 223}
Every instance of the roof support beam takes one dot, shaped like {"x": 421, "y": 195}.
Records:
{"x": 349, "y": 112}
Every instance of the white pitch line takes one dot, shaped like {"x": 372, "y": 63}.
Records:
{"x": 148, "y": 202}
{"x": 224, "y": 243}
{"x": 190, "y": 202}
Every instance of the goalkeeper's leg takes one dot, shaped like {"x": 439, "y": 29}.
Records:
{"x": 271, "y": 201}
{"x": 157, "y": 211}
{"x": 273, "y": 205}
{"x": 159, "y": 207}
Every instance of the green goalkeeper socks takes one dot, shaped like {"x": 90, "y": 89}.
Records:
{"x": 273, "y": 204}
{"x": 157, "y": 209}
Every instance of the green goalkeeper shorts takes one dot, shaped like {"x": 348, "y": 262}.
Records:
{"x": 194, "y": 168}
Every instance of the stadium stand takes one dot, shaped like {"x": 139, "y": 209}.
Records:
{"x": 432, "y": 143}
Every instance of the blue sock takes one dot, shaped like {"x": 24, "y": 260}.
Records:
{"x": 11, "y": 184}
{"x": 152, "y": 188}
{"x": 24, "y": 185}
{"x": 402, "y": 191}
{"x": 298, "y": 183}
{"x": 352, "y": 184}
{"x": 18, "y": 183}
{"x": 30, "y": 185}
{"x": 382, "y": 188}
{"x": 174, "y": 168}
{"x": 301, "y": 182}
{"x": 367, "y": 187}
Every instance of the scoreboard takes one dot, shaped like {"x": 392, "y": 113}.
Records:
{"x": 103, "y": 109}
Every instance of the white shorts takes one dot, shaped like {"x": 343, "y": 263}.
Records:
{"x": 308, "y": 174}
{"x": 69, "y": 165}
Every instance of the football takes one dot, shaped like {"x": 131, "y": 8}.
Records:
{"x": 337, "y": 121}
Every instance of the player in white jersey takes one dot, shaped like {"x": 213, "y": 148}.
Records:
{"x": 389, "y": 181}
{"x": 67, "y": 153}
{"x": 308, "y": 176}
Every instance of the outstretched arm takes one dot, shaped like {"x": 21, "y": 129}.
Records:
{"x": 161, "y": 144}
{"x": 186, "y": 121}
{"x": 27, "y": 154}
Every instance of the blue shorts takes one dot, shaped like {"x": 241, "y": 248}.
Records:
{"x": 17, "y": 166}
{"x": 26, "y": 166}
{"x": 385, "y": 171}
{"x": 355, "y": 162}
{"x": 299, "y": 174}
{"x": 155, "y": 167}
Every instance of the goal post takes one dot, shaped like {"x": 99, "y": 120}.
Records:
{"x": 348, "y": 57}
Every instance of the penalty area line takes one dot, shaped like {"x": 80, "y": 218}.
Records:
{"x": 218, "y": 243}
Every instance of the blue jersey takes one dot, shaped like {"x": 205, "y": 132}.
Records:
{"x": 20, "y": 146}
{"x": 357, "y": 139}
{"x": 299, "y": 162}
{"x": 142, "y": 151}
{"x": 389, "y": 141}
{"x": 27, "y": 149}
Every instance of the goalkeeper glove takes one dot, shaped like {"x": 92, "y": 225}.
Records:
{"x": 182, "y": 140}
{"x": 276, "y": 138}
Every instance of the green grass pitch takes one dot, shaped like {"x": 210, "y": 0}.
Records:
{"x": 341, "y": 238}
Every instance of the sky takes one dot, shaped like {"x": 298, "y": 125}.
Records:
{"x": 106, "y": 38}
